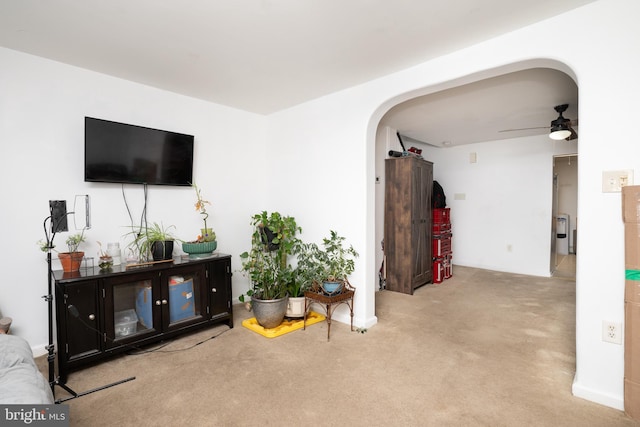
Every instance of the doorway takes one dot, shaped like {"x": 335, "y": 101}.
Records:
{"x": 564, "y": 223}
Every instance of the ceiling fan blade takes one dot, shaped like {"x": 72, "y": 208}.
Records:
{"x": 513, "y": 130}
{"x": 559, "y": 122}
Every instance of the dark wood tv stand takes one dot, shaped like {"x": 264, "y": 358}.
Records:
{"x": 102, "y": 313}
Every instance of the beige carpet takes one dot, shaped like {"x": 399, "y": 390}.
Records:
{"x": 481, "y": 349}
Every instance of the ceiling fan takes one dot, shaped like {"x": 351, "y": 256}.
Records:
{"x": 560, "y": 128}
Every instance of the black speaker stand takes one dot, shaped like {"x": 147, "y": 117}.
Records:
{"x": 51, "y": 353}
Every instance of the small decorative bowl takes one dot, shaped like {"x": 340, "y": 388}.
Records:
{"x": 199, "y": 248}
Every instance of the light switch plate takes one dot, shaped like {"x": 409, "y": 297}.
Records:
{"x": 613, "y": 181}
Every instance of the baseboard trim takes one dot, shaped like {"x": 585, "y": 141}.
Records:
{"x": 616, "y": 402}
{"x": 39, "y": 350}
{"x": 358, "y": 322}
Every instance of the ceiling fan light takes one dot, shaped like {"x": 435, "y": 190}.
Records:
{"x": 560, "y": 129}
{"x": 559, "y": 135}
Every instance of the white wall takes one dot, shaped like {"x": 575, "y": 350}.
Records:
{"x": 319, "y": 172}
{"x": 601, "y": 39}
{"x": 321, "y": 163}
{"x": 504, "y": 221}
{"x": 42, "y": 111}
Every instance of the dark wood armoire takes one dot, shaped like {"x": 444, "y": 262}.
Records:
{"x": 407, "y": 223}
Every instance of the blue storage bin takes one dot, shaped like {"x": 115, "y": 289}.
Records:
{"x": 181, "y": 300}
{"x": 144, "y": 307}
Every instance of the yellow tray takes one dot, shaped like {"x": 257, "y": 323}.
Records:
{"x": 288, "y": 325}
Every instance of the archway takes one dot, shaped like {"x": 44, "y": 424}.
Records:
{"x": 376, "y": 156}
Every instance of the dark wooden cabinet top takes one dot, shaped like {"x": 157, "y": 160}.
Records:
{"x": 95, "y": 273}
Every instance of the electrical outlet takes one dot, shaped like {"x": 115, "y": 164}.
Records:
{"x": 612, "y": 332}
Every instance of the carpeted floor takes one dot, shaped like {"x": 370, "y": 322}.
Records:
{"x": 481, "y": 349}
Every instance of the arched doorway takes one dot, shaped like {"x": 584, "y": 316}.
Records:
{"x": 488, "y": 172}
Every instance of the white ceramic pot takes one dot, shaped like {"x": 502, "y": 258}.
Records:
{"x": 295, "y": 308}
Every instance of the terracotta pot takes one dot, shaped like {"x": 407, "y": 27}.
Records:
{"x": 70, "y": 261}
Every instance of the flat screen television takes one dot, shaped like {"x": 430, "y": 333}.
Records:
{"x": 128, "y": 154}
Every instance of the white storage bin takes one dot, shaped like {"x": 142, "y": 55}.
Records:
{"x": 126, "y": 323}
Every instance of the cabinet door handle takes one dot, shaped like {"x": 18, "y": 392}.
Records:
{"x": 214, "y": 290}
{"x": 165, "y": 302}
{"x": 158, "y": 302}
{"x": 92, "y": 317}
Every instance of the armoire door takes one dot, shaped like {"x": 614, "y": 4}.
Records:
{"x": 422, "y": 187}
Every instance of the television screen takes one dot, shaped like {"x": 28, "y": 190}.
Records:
{"x": 123, "y": 153}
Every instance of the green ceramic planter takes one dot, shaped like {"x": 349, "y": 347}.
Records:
{"x": 199, "y": 248}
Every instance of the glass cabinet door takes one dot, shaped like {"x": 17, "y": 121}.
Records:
{"x": 185, "y": 289}
{"x": 130, "y": 308}
{"x": 154, "y": 302}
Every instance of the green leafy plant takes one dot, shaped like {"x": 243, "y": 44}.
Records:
{"x": 266, "y": 263}
{"x": 296, "y": 285}
{"x": 144, "y": 238}
{"x": 44, "y": 245}
{"x": 307, "y": 270}
{"x": 333, "y": 262}
{"x": 74, "y": 240}
{"x": 336, "y": 261}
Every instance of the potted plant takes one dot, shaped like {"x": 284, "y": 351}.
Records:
{"x": 153, "y": 242}
{"x": 295, "y": 291}
{"x": 206, "y": 240}
{"x": 302, "y": 277}
{"x": 334, "y": 263}
{"x": 72, "y": 259}
{"x": 266, "y": 265}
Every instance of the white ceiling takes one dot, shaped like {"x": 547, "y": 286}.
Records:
{"x": 267, "y": 55}
{"x": 487, "y": 110}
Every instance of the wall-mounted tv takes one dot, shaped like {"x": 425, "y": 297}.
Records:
{"x": 123, "y": 153}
